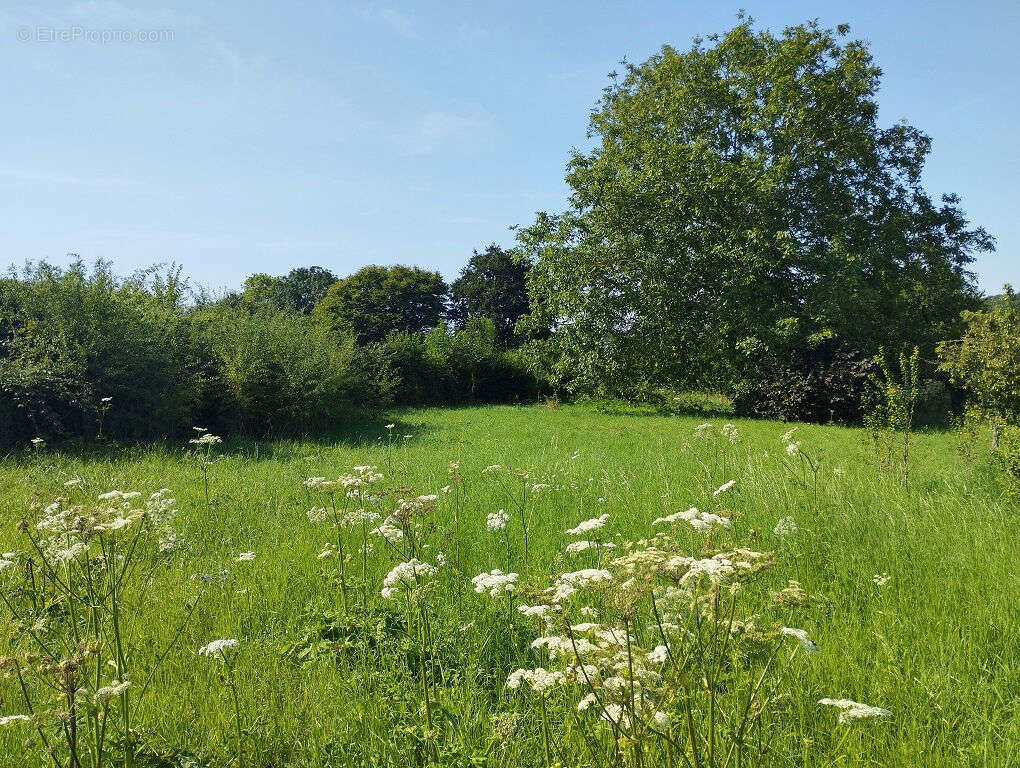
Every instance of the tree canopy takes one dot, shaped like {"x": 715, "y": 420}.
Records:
{"x": 742, "y": 202}
{"x": 300, "y": 289}
{"x": 493, "y": 285}
{"x": 376, "y": 301}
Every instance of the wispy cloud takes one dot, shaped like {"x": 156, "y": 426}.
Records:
{"x": 59, "y": 178}
{"x": 114, "y": 14}
{"x": 400, "y": 22}
{"x": 463, "y": 220}
{"x": 438, "y": 126}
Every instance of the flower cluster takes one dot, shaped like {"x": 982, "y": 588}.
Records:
{"x": 495, "y": 582}
{"x": 595, "y": 524}
{"x": 699, "y": 521}
{"x": 496, "y": 521}
{"x": 406, "y": 576}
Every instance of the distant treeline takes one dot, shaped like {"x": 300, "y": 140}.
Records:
{"x": 84, "y": 353}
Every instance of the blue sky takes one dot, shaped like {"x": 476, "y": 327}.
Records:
{"x": 250, "y": 137}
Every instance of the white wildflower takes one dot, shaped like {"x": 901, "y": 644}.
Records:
{"x": 658, "y": 655}
{"x": 11, "y": 719}
{"x": 801, "y": 636}
{"x": 246, "y": 557}
{"x": 534, "y": 610}
{"x": 390, "y": 532}
{"x": 589, "y": 525}
{"x": 217, "y": 647}
{"x": 786, "y": 526}
{"x": 207, "y": 439}
{"x": 496, "y": 521}
{"x": 108, "y": 692}
{"x": 881, "y": 579}
{"x": 495, "y": 582}
{"x": 540, "y": 680}
{"x": 854, "y": 710}
{"x": 568, "y": 583}
{"x": 406, "y": 575}
{"x": 724, "y": 487}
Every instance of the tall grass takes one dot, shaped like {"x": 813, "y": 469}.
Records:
{"x": 935, "y": 639}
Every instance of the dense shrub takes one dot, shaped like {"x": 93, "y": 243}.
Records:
{"x": 985, "y": 362}
{"x": 69, "y": 338}
{"x": 462, "y": 366}
{"x": 822, "y": 385}
{"x": 279, "y": 372}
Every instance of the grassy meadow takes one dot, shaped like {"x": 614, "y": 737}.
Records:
{"x": 910, "y": 594}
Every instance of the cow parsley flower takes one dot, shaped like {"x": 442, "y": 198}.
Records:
{"x": 217, "y": 647}
{"x": 658, "y": 655}
{"x": 406, "y": 576}
{"x": 11, "y": 719}
{"x": 576, "y": 547}
{"x": 108, "y": 692}
{"x": 568, "y": 583}
{"x": 495, "y": 582}
{"x": 801, "y": 636}
{"x": 246, "y": 557}
{"x": 881, "y": 579}
{"x": 496, "y": 521}
{"x": 541, "y": 611}
{"x": 540, "y": 680}
{"x": 724, "y": 487}
{"x": 854, "y": 710}
{"x": 587, "y": 526}
{"x": 388, "y": 531}
{"x": 208, "y": 439}
{"x": 786, "y": 526}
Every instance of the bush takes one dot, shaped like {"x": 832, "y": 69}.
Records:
{"x": 69, "y": 338}
{"x": 821, "y": 385}
{"x": 463, "y": 366}
{"x": 280, "y": 372}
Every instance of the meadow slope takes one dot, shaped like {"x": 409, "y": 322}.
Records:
{"x": 937, "y": 643}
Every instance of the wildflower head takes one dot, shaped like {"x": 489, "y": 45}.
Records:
{"x": 496, "y": 521}
{"x": 594, "y": 524}
{"x": 495, "y": 582}
{"x": 853, "y": 710}
{"x": 406, "y": 576}
{"x": 217, "y": 648}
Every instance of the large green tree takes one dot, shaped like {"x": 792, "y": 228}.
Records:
{"x": 300, "y": 289}
{"x": 742, "y": 203}
{"x": 493, "y": 284}
{"x": 375, "y": 301}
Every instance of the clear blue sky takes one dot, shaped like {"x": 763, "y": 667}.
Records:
{"x": 264, "y": 136}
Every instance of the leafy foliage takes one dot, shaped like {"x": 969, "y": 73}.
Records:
{"x": 376, "y": 301}
{"x": 742, "y": 203}
{"x": 300, "y": 289}
{"x": 822, "y": 384}
{"x": 492, "y": 285}
{"x": 463, "y": 365}
{"x": 69, "y": 338}
{"x": 985, "y": 362}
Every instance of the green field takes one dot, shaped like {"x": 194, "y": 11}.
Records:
{"x": 937, "y": 644}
